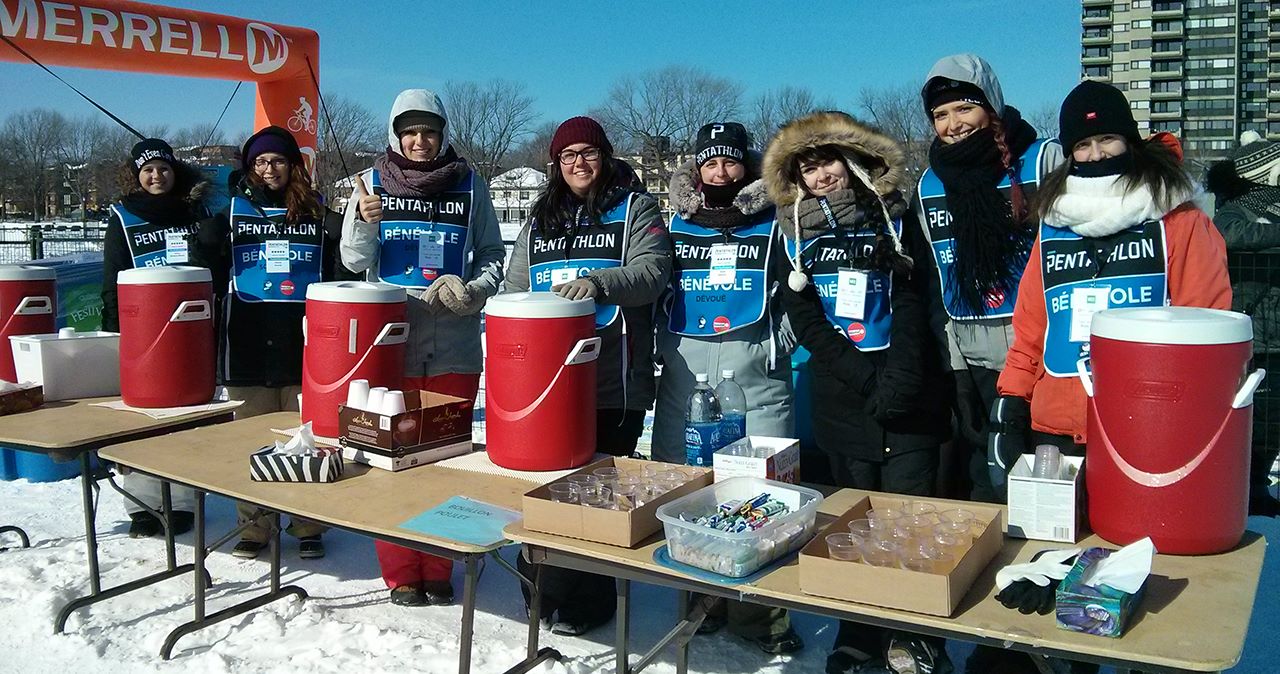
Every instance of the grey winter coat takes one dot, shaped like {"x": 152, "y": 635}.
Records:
{"x": 635, "y": 286}
{"x": 758, "y": 354}
{"x": 982, "y": 342}
{"x": 441, "y": 343}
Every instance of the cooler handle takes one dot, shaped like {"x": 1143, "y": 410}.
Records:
{"x": 392, "y": 333}
{"x": 191, "y": 310}
{"x": 585, "y": 351}
{"x": 304, "y": 330}
{"x": 1244, "y": 397}
{"x": 1086, "y": 379}
{"x": 32, "y": 306}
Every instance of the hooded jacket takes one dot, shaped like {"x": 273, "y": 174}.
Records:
{"x": 758, "y": 354}
{"x": 1196, "y": 276}
{"x": 445, "y": 342}
{"x": 866, "y": 404}
{"x": 116, "y": 255}
{"x": 982, "y": 342}
{"x": 634, "y": 286}
{"x": 259, "y": 343}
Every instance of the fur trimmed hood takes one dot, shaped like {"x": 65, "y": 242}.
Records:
{"x": 686, "y": 198}
{"x": 879, "y": 154}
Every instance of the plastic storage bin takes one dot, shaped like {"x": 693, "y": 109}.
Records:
{"x": 35, "y": 467}
{"x": 69, "y": 364}
{"x": 741, "y": 554}
{"x": 8, "y": 469}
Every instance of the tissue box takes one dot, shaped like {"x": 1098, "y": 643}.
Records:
{"x": 22, "y": 399}
{"x": 1043, "y": 509}
{"x": 325, "y": 466}
{"x": 759, "y": 456}
{"x": 435, "y": 427}
{"x": 1098, "y": 610}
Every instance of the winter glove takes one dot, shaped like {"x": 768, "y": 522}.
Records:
{"x": 462, "y": 300}
{"x": 1031, "y": 587}
{"x": 432, "y": 297}
{"x": 368, "y": 206}
{"x": 1009, "y": 437}
{"x": 579, "y": 289}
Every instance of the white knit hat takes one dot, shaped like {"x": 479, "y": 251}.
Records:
{"x": 1257, "y": 160}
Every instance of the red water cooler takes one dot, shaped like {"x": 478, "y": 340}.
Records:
{"x": 540, "y": 381}
{"x": 352, "y": 330}
{"x": 168, "y": 345}
{"x": 1170, "y": 417}
{"x": 28, "y": 297}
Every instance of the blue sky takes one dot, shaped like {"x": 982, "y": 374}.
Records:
{"x": 568, "y": 53}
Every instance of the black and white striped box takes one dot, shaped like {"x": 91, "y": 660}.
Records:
{"x": 267, "y": 466}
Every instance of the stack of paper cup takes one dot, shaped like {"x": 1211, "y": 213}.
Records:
{"x": 358, "y": 394}
{"x": 392, "y": 403}
{"x": 374, "y": 401}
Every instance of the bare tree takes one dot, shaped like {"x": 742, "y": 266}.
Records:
{"x": 357, "y": 137}
{"x": 198, "y": 135}
{"x": 898, "y": 113}
{"x": 487, "y": 120}
{"x": 773, "y": 108}
{"x": 1044, "y": 118}
{"x": 76, "y": 155}
{"x": 658, "y": 113}
{"x": 533, "y": 152}
{"x": 32, "y": 139}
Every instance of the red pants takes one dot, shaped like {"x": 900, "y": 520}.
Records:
{"x": 402, "y": 566}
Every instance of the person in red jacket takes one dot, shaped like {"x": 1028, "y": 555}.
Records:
{"x": 1118, "y": 229}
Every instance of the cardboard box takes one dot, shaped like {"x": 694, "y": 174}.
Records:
{"x": 435, "y": 427}
{"x": 613, "y": 527}
{"x": 21, "y": 400}
{"x": 1043, "y": 509}
{"x": 1101, "y": 610}
{"x": 325, "y": 466}
{"x": 759, "y": 456}
{"x": 932, "y": 593}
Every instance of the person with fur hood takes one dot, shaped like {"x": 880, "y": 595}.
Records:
{"x": 1115, "y": 190}
{"x": 855, "y": 301}
{"x": 984, "y": 165}
{"x": 450, "y": 262}
{"x": 594, "y": 233}
{"x": 731, "y": 322}
{"x": 150, "y": 226}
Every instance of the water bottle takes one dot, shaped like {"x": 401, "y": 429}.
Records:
{"x": 702, "y": 424}
{"x": 733, "y": 409}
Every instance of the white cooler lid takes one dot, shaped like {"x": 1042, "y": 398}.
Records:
{"x": 356, "y": 292}
{"x": 537, "y": 305}
{"x": 177, "y": 273}
{"x": 26, "y": 272}
{"x": 1173, "y": 325}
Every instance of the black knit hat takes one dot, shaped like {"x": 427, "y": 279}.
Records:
{"x": 1094, "y": 108}
{"x": 721, "y": 139}
{"x": 152, "y": 148}
{"x": 418, "y": 119}
{"x": 943, "y": 90}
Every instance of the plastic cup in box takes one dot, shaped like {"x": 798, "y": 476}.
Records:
{"x": 742, "y": 553}
{"x": 884, "y": 518}
{"x": 919, "y": 561}
{"x": 596, "y": 496}
{"x": 919, "y": 508}
{"x": 651, "y": 470}
{"x": 583, "y": 480}
{"x": 958, "y": 515}
{"x": 881, "y": 552}
{"x": 844, "y": 547}
{"x": 608, "y": 476}
{"x": 961, "y": 530}
{"x": 861, "y": 528}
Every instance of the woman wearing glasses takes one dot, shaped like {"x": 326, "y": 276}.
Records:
{"x": 274, "y": 239}
{"x": 441, "y": 242}
{"x": 594, "y": 216}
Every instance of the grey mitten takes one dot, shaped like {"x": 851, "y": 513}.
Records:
{"x": 463, "y": 300}
{"x": 433, "y": 297}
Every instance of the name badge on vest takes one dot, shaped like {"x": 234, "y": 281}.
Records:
{"x": 277, "y": 256}
{"x": 560, "y": 277}
{"x": 724, "y": 263}
{"x": 1085, "y": 302}
{"x": 175, "y": 248}
{"x": 851, "y": 293}
{"x": 431, "y": 250}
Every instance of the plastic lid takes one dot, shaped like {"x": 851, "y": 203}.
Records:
{"x": 700, "y": 378}
{"x": 537, "y": 305}
{"x": 726, "y": 374}
{"x": 356, "y": 292}
{"x": 1173, "y": 325}
{"x": 171, "y": 274}
{"x": 26, "y": 272}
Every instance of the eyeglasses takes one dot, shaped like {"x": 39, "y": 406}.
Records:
{"x": 570, "y": 157}
{"x": 263, "y": 162}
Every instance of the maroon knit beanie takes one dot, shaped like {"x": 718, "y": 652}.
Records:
{"x": 579, "y": 130}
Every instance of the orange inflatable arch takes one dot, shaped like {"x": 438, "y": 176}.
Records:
{"x": 139, "y": 37}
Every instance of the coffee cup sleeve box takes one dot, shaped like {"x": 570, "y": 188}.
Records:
{"x": 432, "y": 419}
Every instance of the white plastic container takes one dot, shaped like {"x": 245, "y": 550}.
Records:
{"x": 741, "y": 554}
{"x": 69, "y": 364}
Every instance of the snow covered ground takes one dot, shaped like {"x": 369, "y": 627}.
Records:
{"x": 347, "y": 624}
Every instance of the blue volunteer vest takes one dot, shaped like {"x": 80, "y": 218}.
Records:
{"x": 1133, "y": 264}
{"x": 933, "y": 200}
{"x": 700, "y": 308}
{"x": 824, "y": 257}
{"x": 272, "y": 261}
{"x": 602, "y": 246}
{"x": 146, "y": 240}
{"x": 408, "y": 223}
